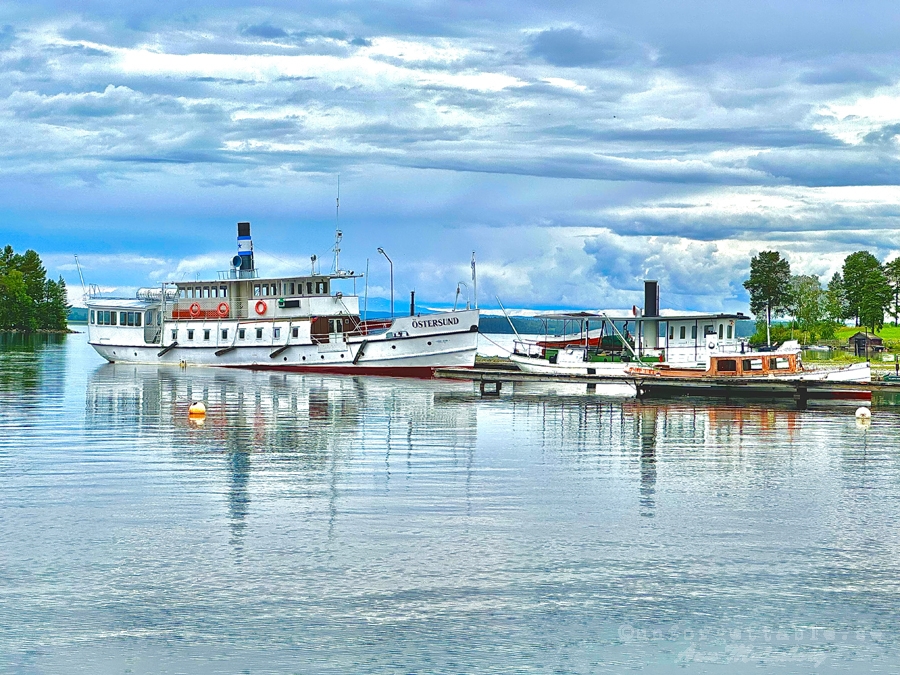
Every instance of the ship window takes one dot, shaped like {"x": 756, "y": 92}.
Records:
{"x": 149, "y": 317}
{"x": 309, "y": 288}
{"x": 224, "y": 333}
{"x": 726, "y": 366}
{"x": 242, "y": 333}
{"x": 182, "y": 293}
{"x": 223, "y": 291}
{"x": 206, "y": 293}
{"x": 198, "y": 292}
{"x": 206, "y": 334}
{"x": 671, "y": 332}
{"x": 709, "y": 329}
{"x": 778, "y": 363}
{"x": 190, "y": 333}
{"x": 259, "y": 333}
{"x": 112, "y": 318}
{"x": 255, "y": 290}
{"x": 137, "y": 318}
{"x": 292, "y": 288}
{"x": 321, "y": 288}
{"x": 123, "y": 320}
{"x": 721, "y": 331}
{"x": 681, "y": 333}
{"x": 296, "y": 332}
{"x": 276, "y": 333}
{"x": 751, "y": 364}
{"x": 174, "y": 333}
{"x": 92, "y": 316}
{"x": 215, "y": 291}
{"x": 694, "y": 332}
{"x": 730, "y": 329}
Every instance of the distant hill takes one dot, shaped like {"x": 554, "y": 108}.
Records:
{"x": 78, "y": 315}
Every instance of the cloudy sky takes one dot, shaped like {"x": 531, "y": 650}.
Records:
{"x": 578, "y": 147}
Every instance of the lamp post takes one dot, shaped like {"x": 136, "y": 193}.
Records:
{"x": 391, "y": 263}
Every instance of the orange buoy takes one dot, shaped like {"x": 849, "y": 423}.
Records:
{"x": 261, "y": 307}
{"x": 222, "y": 309}
{"x": 195, "y": 309}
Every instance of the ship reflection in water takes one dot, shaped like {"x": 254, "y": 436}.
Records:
{"x": 315, "y": 523}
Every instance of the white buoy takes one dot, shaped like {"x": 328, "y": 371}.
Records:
{"x": 197, "y": 409}
{"x": 863, "y": 414}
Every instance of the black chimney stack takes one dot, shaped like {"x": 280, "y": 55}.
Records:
{"x": 412, "y": 303}
{"x": 651, "y": 298}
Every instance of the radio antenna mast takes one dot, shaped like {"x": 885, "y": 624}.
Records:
{"x": 338, "y": 235}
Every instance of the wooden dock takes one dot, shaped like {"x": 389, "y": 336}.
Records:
{"x": 491, "y": 381}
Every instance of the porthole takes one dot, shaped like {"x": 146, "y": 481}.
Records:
{"x": 323, "y": 357}
{"x": 342, "y": 356}
{"x": 393, "y": 346}
{"x": 285, "y": 358}
{"x": 135, "y": 353}
{"x": 304, "y": 358}
{"x": 429, "y": 344}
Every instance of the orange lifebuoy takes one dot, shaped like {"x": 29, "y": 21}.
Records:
{"x": 195, "y": 309}
{"x": 222, "y": 309}
{"x": 261, "y": 307}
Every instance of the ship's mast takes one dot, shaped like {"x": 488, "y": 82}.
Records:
{"x": 338, "y": 235}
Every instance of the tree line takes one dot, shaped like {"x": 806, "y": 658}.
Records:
{"x": 864, "y": 290}
{"x": 28, "y": 300}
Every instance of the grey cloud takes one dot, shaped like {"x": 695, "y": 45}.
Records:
{"x": 738, "y": 136}
{"x": 815, "y": 168}
{"x": 844, "y": 75}
{"x": 701, "y": 271}
{"x": 264, "y": 30}
{"x": 570, "y": 47}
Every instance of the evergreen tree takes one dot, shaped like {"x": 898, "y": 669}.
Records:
{"x": 835, "y": 300}
{"x": 769, "y": 286}
{"x": 28, "y": 300}
{"x": 864, "y": 284}
{"x": 892, "y": 272}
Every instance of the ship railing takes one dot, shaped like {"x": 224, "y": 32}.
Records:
{"x": 224, "y": 275}
{"x": 527, "y": 348}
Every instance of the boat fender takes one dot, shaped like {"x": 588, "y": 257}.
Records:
{"x": 222, "y": 309}
{"x": 261, "y": 307}
{"x": 195, "y": 309}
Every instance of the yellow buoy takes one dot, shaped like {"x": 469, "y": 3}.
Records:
{"x": 197, "y": 409}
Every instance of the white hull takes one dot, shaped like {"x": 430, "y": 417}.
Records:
{"x": 860, "y": 373}
{"x": 532, "y": 364}
{"x": 414, "y": 351}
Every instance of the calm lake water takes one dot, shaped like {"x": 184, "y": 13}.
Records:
{"x": 321, "y": 524}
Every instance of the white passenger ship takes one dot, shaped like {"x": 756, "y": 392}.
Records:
{"x": 296, "y": 323}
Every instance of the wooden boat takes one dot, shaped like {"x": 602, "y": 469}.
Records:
{"x": 781, "y": 364}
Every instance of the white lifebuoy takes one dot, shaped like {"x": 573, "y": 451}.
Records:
{"x": 711, "y": 345}
{"x": 261, "y": 307}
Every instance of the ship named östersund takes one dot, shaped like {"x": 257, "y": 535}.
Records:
{"x": 297, "y": 323}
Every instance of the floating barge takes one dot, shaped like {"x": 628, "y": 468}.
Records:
{"x": 492, "y": 379}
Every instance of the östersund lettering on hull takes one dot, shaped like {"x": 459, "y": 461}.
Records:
{"x": 436, "y": 323}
